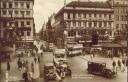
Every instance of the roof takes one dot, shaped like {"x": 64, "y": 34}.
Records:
{"x": 60, "y": 51}
{"x": 49, "y": 64}
{"x": 6, "y": 49}
{"x": 89, "y": 4}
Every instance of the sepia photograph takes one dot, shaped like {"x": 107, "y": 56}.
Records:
{"x": 63, "y": 40}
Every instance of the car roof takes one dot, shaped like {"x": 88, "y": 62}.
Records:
{"x": 100, "y": 62}
{"x": 49, "y": 64}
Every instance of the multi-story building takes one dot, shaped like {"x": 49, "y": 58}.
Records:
{"x": 120, "y": 17}
{"x": 81, "y": 18}
{"x": 17, "y": 15}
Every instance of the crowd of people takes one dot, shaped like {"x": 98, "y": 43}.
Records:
{"x": 119, "y": 65}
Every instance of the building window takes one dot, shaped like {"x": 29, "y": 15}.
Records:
{"x": 122, "y": 25}
{"x": 94, "y": 15}
{"x": 69, "y": 23}
{"x": 0, "y": 13}
{"x": 10, "y": 5}
{"x": 117, "y": 11}
{"x": 4, "y": 5}
{"x": 22, "y": 33}
{"x": 100, "y": 24}
{"x": 10, "y": 13}
{"x": 105, "y": 15}
{"x": 110, "y": 17}
{"x": 117, "y": 18}
{"x": 117, "y": 26}
{"x": 16, "y": 23}
{"x": 28, "y": 5}
{"x": 110, "y": 24}
{"x": 4, "y": 24}
{"x": 4, "y": 12}
{"x": 22, "y": 5}
{"x": 99, "y": 15}
{"x": 85, "y": 24}
{"x": 95, "y": 24}
{"x": 28, "y": 22}
{"x": 84, "y": 15}
{"x": 28, "y": 33}
{"x": 90, "y": 24}
{"x": 16, "y": 5}
{"x": 105, "y": 24}
{"x": 125, "y": 17}
{"x": 22, "y": 23}
{"x": 122, "y": 18}
{"x": 90, "y": 15}
{"x": 22, "y": 13}
{"x": 28, "y": 13}
{"x": 79, "y": 15}
{"x": 16, "y": 12}
{"x": 74, "y": 24}
{"x": 79, "y": 24}
{"x": 74, "y": 15}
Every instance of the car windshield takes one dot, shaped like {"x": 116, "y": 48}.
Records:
{"x": 49, "y": 67}
{"x": 59, "y": 55}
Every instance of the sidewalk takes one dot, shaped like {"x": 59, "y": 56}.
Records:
{"x": 15, "y": 74}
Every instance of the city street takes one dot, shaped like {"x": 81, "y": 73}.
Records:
{"x": 78, "y": 66}
{"x": 15, "y": 74}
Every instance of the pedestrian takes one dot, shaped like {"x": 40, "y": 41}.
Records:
{"x": 38, "y": 59}
{"x": 119, "y": 64}
{"x": 114, "y": 65}
{"x": 123, "y": 62}
{"x": 18, "y": 56}
{"x": 8, "y": 66}
{"x": 93, "y": 54}
{"x": 32, "y": 67}
{"x": 35, "y": 59}
{"x": 41, "y": 53}
{"x": 19, "y": 63}
{"x": 25, "y": 76}
{"x": 127, "y": 62}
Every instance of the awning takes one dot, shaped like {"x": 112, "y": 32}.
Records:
{"x": 112, "y": 45}
{"x": 24, "y": 29}
{"x": 6, "y": 49}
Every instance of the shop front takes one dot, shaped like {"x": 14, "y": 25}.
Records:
{"x": 6, "y": 53}
{"x": 25, "y": 47}
{"x": 113, "y": 50}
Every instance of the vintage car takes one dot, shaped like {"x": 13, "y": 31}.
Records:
{"x": 60, "y": 59}
{"x": 59, "y": 55}
{"x": 49, "y": 72}
{"x": 99, "y": 68}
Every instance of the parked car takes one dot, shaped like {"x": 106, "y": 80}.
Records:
{"x": 60, "y": 59}
{"x": 49, "y": 72}
{"x": 99, "y": 68}
{"x": 59, "y": 55}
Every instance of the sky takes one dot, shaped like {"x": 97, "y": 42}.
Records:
{"x": 45, "y": 8}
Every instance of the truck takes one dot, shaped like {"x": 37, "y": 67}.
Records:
{"x": 99, "y": 68}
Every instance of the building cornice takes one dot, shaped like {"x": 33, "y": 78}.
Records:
{"x": 90, "y": 9}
